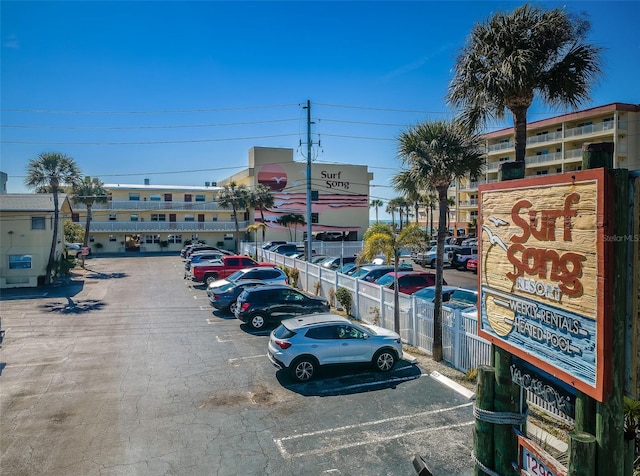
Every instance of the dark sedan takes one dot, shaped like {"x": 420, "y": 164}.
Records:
{"x": 270, "y": 304}
{"x": 224, "y": 297}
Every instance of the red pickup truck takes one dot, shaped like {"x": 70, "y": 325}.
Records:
{"x": 213, "y": 270}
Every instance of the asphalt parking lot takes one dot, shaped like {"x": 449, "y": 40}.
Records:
{"x": 126, "y": 370}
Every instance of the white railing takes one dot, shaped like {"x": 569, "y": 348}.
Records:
{"x": 493, "y": 165}
{"x": 539, "y": 159}
{"x": 165, "y": 226}
{"x": 157, "y": 205}
{"x": 500, "y": 146}
{"x": 462, "y": 347}
{"x": 591, "y": 129}
{"x": 550, "y": 136}
{"x": 573, "y": 154}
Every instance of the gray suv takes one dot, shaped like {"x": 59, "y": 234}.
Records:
{"x": 304, "y": 344}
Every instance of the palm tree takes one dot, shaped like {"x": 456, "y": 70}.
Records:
{"x": 392, "y": 206}
{"x": 402, "y": 183}
{"x": 88, "y": 192}
{"x": 254, "y": 228}
{"x": 292, "y": 219}
{"x": 511, "y": 58}
{"x": 54, "y": 170}
{"x": 430, "y": 202}
{"x": 451, "y": 202}
{"x": 376, "y": 203}
{"x": 236, "y": 197}
{"x": 437, "y": 153}
{"x": 262, "y": 197}
{"x": 380, "y": 238}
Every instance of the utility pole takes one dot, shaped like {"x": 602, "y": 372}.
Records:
{"x": 309, "y": 250}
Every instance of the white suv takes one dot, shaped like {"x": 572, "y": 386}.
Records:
{"x": 303, "y": 344}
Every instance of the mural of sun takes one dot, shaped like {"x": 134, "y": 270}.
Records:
{"x": 273, "y": 176}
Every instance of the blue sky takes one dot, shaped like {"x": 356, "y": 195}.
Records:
{"x": 178, "y": 92}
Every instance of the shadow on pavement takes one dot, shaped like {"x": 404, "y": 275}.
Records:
{"x": 341, "y": 380}
{"x": 73, "y": 307}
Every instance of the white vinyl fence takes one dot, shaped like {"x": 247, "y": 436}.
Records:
{"x": 373, "y": 304}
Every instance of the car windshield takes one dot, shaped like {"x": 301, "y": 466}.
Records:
{"x": 386, "y": 279}
{"x": 426, "y": 293}
{"x": 225, "y": 287}
{"x": 465, "y": 296}
{"x": 235, "y": 276}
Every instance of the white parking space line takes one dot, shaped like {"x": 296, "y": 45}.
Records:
{"x": 369, "y": 384}
{"x": 333, "y": 439}
{"x": 249, "y": 357}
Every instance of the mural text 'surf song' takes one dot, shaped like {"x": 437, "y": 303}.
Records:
{"x": 544, "y": 288}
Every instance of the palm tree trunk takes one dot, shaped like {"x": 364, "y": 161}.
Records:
{"x": 437, "y": 304}
{"x": 262, "y": 217}
{"x": 376, "y": 213}
{"x": 87, "y": 225}
{"x": 520, "y": 126}
{"x": 235, "y": 217}
{"x": 54, "y": 240}
{"x": 396, "y": 295}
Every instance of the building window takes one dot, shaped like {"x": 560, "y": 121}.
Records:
{"x": 113, "y": 217}
{"x": 168, "y": 197}
{"x": 194, "y": 238}
{"x": 158, "y": 217}
{"x": 75, "y": 217}
{"x": 155, "y": 197}
{"x": 134, "y": 196}
{"x": 314, "y": 218}
{"x": 152, "y": 239}
{"x": 112, "y": 238}
{"x": 92, "y": 239}
{"x": 19, "y": 261}
{"x": 38, "y": 223}
{"x": 189, "y": 218}
{"x": 200, "y": 198}
{"x": 134, "y": 217}
{"x": 542, "y": 172}
{"x": 214, "y": 218}
{"x": 174, "y": 238}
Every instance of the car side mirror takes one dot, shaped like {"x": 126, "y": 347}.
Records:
{"x": 365, "y": 336}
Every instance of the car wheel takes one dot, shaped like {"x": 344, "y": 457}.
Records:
{"x": 384, "y": 360}
{"x": 210, "y": 278}
{"x": 432, "y": 264}
{"x": 303, "y": 369}
{"x": 232, "y": 307}
{"x": 257, "y": 321}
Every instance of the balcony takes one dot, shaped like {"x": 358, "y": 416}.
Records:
{"x": 500, "y": 146}
{"x": 472, "y": 203}
{"x": 534, "y": 160}
{"x": 471, "y": 185}
{"x": 492, "y": 166}
{"x": 164, "y": 226}
{"x": 157, "y": 205}
{"x": 537, "y": 139}
{"x": 606, "y": 127}
{"x": 572, "y": 155}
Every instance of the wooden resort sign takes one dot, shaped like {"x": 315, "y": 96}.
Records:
{"x": 545, "y": 274}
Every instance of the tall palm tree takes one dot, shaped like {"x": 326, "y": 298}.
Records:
{"x": 262, "y": 197}
{"x": 511, "y": 58}
{"x": 54, "y": 170}
{"x": 403, "y": 183}
{"x": 392, "y": 206}
{"x": 430, "y": 202}
{"x": 376, "y": 203}
{"x": 435, "y": 154}
{"x": 88, "y": 192}
{"x": 380, "y": 238}
{"x": 294, "y": 219}
{"x": 451, "y": 202}
{"x": 236, "y": 197}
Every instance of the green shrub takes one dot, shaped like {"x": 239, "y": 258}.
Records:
{"x": 345, "y": 299}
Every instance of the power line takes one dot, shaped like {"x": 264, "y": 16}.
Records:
{"x": 107, "y": 128}
{"x": 190, "y": 141}
{"x": 168, "y": 111}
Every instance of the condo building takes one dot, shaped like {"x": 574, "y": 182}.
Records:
{"x": 554, "y": 146}
{"x": 147, "y": 217}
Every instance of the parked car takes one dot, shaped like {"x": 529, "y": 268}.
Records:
{"x": 472, "y": 264}
{"x": 286, "y": 249}
{"x": 429, "y": 293}
{"x": 224, "y": 298}
{"x": 463, "y": 299}
{"x": 75, "y": 249}
{"x": 266, "y": 274}
{"x": 336, "y": 262}
{"x": 198, "y": 256}
{"x": 304, "y": 344}
{"x": 371, "y": 272}
{"x": 270, "y": 244}
{"x": 317, "y": 259}
{"x": 429, "y": 258}
{"x": 194, "y": 249}
{"x": 461, "y": 255}
{"x": 346, "y": 268}
{"x": 267, "y": 304}
{"x": 409, "y": 281}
